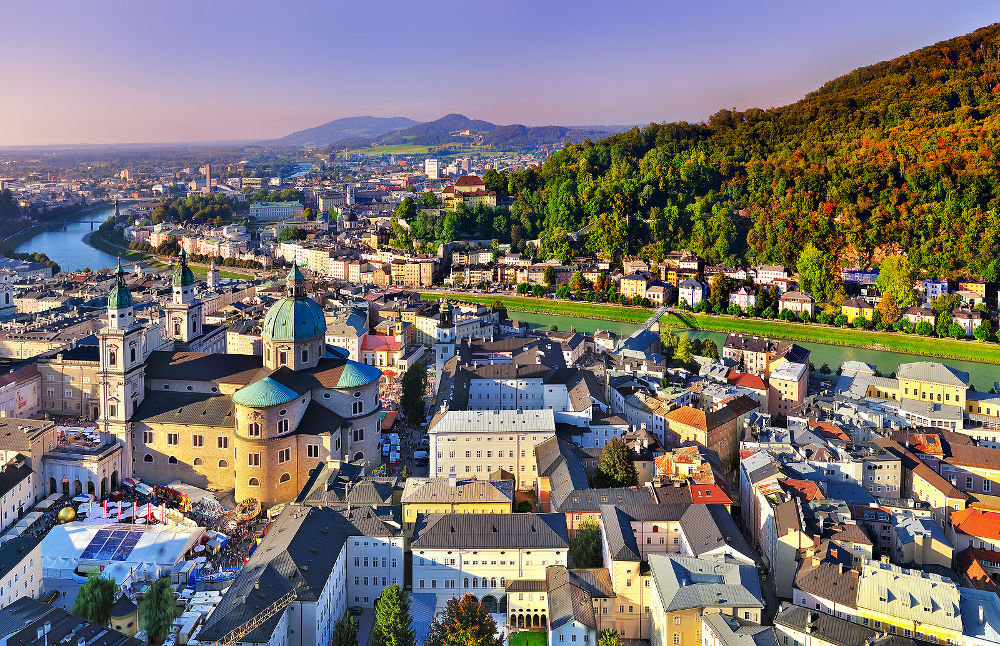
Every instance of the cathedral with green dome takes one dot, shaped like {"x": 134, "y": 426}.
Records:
{"x": 253, "y": 425}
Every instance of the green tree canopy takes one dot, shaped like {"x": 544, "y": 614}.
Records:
{"x": 393, "y": 623}
{"x": 818, "y": 275}
{"x": 616, "y": 467}
{"x": 609, "y": 637}
{"x": 158, "y": 610}
{"x": 95, "y": 598}
{"x": 710, "y": 349}
{"x": 549, "y": 276}
{"x": 291, "y": 233}
{"x": 896, "y": 276}
{"x": 345, "y": 632}
{"x": 414, "y": 385}
{"x": 585, "y": 546}
{"x": 463, "y": 622}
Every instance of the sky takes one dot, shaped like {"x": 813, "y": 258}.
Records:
{"x": 121, "y": 71}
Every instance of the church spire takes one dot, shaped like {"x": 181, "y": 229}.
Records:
{"x": 295, "y": 283}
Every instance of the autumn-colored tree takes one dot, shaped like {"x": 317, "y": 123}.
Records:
{"x": 888, "y": 309}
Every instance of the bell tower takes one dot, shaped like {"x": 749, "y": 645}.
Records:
{"x": 444, "y": 344}
{"x": 184, "y": 312}
{"x": 122, "y": 376}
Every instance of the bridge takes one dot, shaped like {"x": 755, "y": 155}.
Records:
{"x": 660, "y": 311}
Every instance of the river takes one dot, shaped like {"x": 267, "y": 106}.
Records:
{"x": 65, "y": 244}
{"x": 982, "y": 375}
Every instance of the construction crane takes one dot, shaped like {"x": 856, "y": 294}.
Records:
{"x": 240, "y": 632}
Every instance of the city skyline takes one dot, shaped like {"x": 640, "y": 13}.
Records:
{"x": 125, "y": 73}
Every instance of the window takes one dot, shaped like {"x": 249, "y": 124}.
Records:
{"x": 198, "y": 462}
{"x": 223, "y": 464}
{"x": 112, "y": 410}
{"x": 172, "y": 459}
{"x": 253, "y": 482}
{"x": 172, "y": 439}
{"x": 284, "y": 455}
{"x": 147, "y": 438}
{"x": 253, "y": 429}
{"x": 312, "y": 450}
{"x": 282, "y": 358}
{"x": 223, "y": 442}
{"x": 112, "y": 357}
{"x": 147, "y": 458}
{"x": 253, "y": 459}
{"x": 282, "y": 426}
{"x": 358, "y": 407}
{"x": 197, "y": 441}
{"x": 305, "y": 356}
{"x": 285, "y": 477}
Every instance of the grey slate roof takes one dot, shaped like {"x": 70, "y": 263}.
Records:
{"x": 933, "y": 371}
{"x": 66, "y": 628}
{"x": 15, "y": 434}
{"x": 571, "y": 596}
{"x": 592, "y": 499}
{"x": 709, "y": 527}
{"x": 490, "y": 531}
{"x": 831, "y": 630}
{"x": 21, "y": 613}
{"x": 301, "y": 548}
{"x": 440, "y": 490}
{"x": 192, "y": 409}
{"x": 828, "y": 581}
{"x": 227, "y": 368}
{"x": 561, "y": 462}
{"x": 618, "y": 534}
{"x": 685, "y": 582}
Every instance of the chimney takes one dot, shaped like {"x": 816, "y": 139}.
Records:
{"x": 41, "y": 632}
{"x": 48, "y": 627}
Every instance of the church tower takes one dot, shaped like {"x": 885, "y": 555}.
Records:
{"x": 213, "y": 277}
{"x": 184, "y": 320}
{"x": 122, "y": 373}
{"x": 293, "y": 333}
{"x": 444, "y": 344}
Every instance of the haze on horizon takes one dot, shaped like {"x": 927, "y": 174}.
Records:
{"x": 117, "y": 71}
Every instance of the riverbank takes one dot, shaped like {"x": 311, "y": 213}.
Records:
{"x": 95, "y": 240}
{"x": 970, "y": 350}
{"x": 21, "y": 237}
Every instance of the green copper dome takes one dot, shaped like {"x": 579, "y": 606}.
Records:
{"x": 295, "y": 317}
{"x": 183, "y": 276}
{"x": 264, "y": 393}
{"x": 120, "y": 297}
{"x": 357, "y": 374}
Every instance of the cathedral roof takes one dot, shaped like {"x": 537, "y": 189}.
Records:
{"x": 264, "y": 393}
{"x": 294, "y": 319}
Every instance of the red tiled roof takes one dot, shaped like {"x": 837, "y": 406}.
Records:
{"x": 381, "y": 343}
{"x": 804, "y": 489}
{"x": 746, "y": 380}
{"x": 389, "y": 420}
{"x": 978, "y": 523}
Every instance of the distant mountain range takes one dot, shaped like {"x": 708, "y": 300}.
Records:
{"x": 358, "y": 132}
{"x": 346, "y": 128}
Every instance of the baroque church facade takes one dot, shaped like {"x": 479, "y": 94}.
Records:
{"x": 184, "y": 410}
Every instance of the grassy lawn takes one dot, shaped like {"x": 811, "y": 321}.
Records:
{"x": 526, "y": 638}
{"x": 970, "y": 350}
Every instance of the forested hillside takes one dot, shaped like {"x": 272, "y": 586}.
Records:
{"x": 899, "y": 155}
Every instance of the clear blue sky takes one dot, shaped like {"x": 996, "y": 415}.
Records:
{"x": 180, "y": 70}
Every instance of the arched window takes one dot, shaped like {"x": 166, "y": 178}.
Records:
{"x": 172, "y": 459}
{"x": 493, "y": 582}
{"x": 132, "y": 354}
{"x": 282, "y": 426}
{"x": 656, "y": 528}
{"x": 284, "y": 477}
{"x": 466, "y": 581}
{"x": 223, "y": 464}
{"x": 198, "y": 462}
{"x": 147, "y": 458}
{"x": 254, "y": 482}
{"x": 475, "y": 582}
